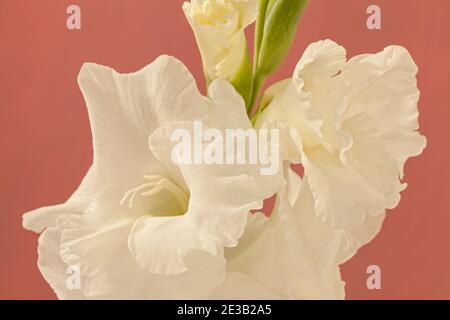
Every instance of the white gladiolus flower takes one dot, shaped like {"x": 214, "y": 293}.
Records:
{"x": 218, "y": 27}
{"x": 140, "y": 226}
{"x": 291, "y": 254}
{"x": 352, "y": 125}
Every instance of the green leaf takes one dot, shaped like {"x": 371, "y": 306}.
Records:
{"x": 270, "y": 5}
{"x": 280, "y": 26}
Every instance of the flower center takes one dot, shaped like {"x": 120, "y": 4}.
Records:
{"x": 157, "y": 185}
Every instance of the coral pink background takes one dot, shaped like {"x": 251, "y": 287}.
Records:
{"x": 45, "y": 138}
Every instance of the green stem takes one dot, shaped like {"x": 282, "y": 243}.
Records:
{"x": 259, "y": 31}
{"x": 258, "y": 82}
{"x": 255, "y": 117}
{"x": 258, "y": 79}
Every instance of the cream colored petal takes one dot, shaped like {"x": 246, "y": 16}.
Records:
{"x": 218, "y": 27}
{"x": 215, "y": 217}
{"x": 308, "y": 248}
{"x": 346, "y": 202}
{"x": 356, "y": 237}
{"x": 124, "y": 109}
{"x": 290, "y": 111}
{"x": 372, "y": 126}
{"x": 227, "y": 110}
{"x": 100, "y": 248}
{"x": 53, "y": 267}
{"x": 248, "y": 10}
{"x": 313, "y": 102}
{"x": 160, "y": 244}
{"x": 292, "y": 255}
{"x": 81, "y": 240}
{"x": 320, "y": 61}
{"x": 357, "y": 126}
{"x": 385, "y": 87}
{"x": 256, "y": 256}
{"x": 303, "y": 218}
{"x": 239, "y": 286}
{"x": 214, "y": 45}
{"x": 342, "y": 197}
{"x": 103, "y": 223}
{"x": 369, "y": 158}
{"x": 39, "y": 219}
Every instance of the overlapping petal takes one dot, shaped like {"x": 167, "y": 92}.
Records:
{"x": 141, "y": 226}
{"x": 218, "y": 27}
{"x": 355, "y": 124}
{"x": 124, "y": 109}
{"x": 220, "y": 195}
{"x": 290, "y": 255}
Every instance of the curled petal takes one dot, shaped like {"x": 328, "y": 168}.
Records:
{"x": 354, "y": 124}
{"x": 100, "y": 247}
{"x": 127, "y": 108}
{"x": 219, "y": 30}
{"x": 215, "y": 217}
{"x": 53, "y": 267}
{"x": 385, "y": 87}
{"x": 320, "y": 61}
{"x": 124, "y": 109}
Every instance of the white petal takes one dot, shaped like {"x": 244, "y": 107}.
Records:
{"x": 124, "y": 109}
{"x": 369, "y": 158}
{"x": 53, "y": 267}
{"x": 160, "y": 244}
{"x": 219, "y": 31}
{"x": 320, "y": 61}
{"x": 320, "y": 234}
{"x": 308, "y": 247}
{"x": 257, "y": 253}
{"x": 341, "y": 196}
{"x": 39, "y": 219}
{"x": 385, "y": 86}
{"x": 292, "y": 255}
{"x": 352, "y": 238}
{"x": 100, "y": 248}
{"x": 227, "y": 110}
{"x": 356, "y": 128}
{"x": 248, "y": 10}
{"x": 239, "y": 286}
{"x": 216, "y": 217}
